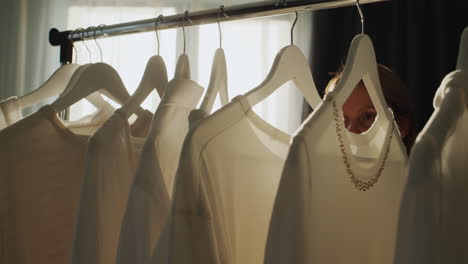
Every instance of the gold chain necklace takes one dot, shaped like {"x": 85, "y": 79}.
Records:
{"x": 360, "y": 185}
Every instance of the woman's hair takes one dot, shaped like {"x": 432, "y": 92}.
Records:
{"x": 396, "y": 96}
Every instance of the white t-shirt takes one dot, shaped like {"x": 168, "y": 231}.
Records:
{"x": 10, "y": 112}
{"x": 433, "y": 219}
{"x": 149, "y": 200}
{"x": 110, "y": 167}
{"x": 225, "y": 186}
{"x": 42, "y": 164}
{"x": 321, "y": 215}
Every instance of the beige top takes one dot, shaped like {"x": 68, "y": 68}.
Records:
{"x": 10, "y": 112}
{"x": 225, "y": 186}
{"x": 433, "y": 218}
{"x": 42, "y": 164}
{"x": 110, "y": 167}
{"x": 320, "y": 215}
{"x": 149, "y": 200}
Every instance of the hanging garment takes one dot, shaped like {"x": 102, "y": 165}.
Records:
{"x": 95, "y": 120}
{"x": 149, "y": 199}
{"x": 227, "y": 178}
{"x": 110, "y": 166}
{"x": 339, "y": 194}
{"x": 433, "y": 216}
{"x": 10, "y": 112}
{"x": 42, "y": 165}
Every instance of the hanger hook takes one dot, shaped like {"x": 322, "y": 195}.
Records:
{"x": 74, "y": 48}
{"x": 221, "y": 10}
{"x": 83, "y": 31}
{"x": 292, "y": 28}
{"x": 281, "y": 2}
{"x": 219, "y": 27}
{"x": 160, "y": 18}
{"x": 361, "y": 14}
{"x": 186, "y": 18}
{"x": 86, "y": 32}
{"x": 94, "y": 36}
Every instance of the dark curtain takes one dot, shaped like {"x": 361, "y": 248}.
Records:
{"x": 418, "y": 39}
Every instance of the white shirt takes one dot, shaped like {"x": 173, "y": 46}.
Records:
{"x": 320, "y": 214}
{"x": 10, "y": 113}
{"x": 149, "y": 200}
{"x": 433, "y": 222}
{"x": 110, "y": 167}
{"x": 225, "y": 186}
{"x": 42, "y": 163}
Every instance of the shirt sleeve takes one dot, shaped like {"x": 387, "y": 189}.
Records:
{"x": 287, "y": 237}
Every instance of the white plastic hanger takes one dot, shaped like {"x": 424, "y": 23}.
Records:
{"x": 462, "y": 60}
{"x": 55, "y": 85}
{"x": 52, "y": 87}
{"x": 361, "y": 64}
{"x": 462, "y": 65}
{"x": 182, "y": 70}
{"x": 98, "y": 77}
{"x": 218, "y": 77}
{"x": 290, "y": 64}
{"x": 93, "y": 78}
{"x": 154, "y": 77}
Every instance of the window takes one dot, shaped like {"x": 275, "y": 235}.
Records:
{"x": 250, "y": 47}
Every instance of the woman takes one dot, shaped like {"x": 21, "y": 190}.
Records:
{"x": 359, "y": 112}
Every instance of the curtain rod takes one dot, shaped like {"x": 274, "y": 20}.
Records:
{"x": 209, "y": 16}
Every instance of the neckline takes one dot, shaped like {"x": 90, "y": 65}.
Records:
{"x": 372, "y": 164}
{"x": 51, "y": 115}
{"x": 261, "y": 123}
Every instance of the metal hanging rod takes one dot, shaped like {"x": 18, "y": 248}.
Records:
{"x": 231, "y": 13}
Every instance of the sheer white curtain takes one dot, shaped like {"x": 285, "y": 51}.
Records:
{"x": 250, "y": 47}
{"x": 26, "y": 57}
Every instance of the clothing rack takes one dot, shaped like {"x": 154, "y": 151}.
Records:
{"x": 65, "y": 39}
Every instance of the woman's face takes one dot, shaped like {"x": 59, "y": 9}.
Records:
{"x": 358, "y": 111}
